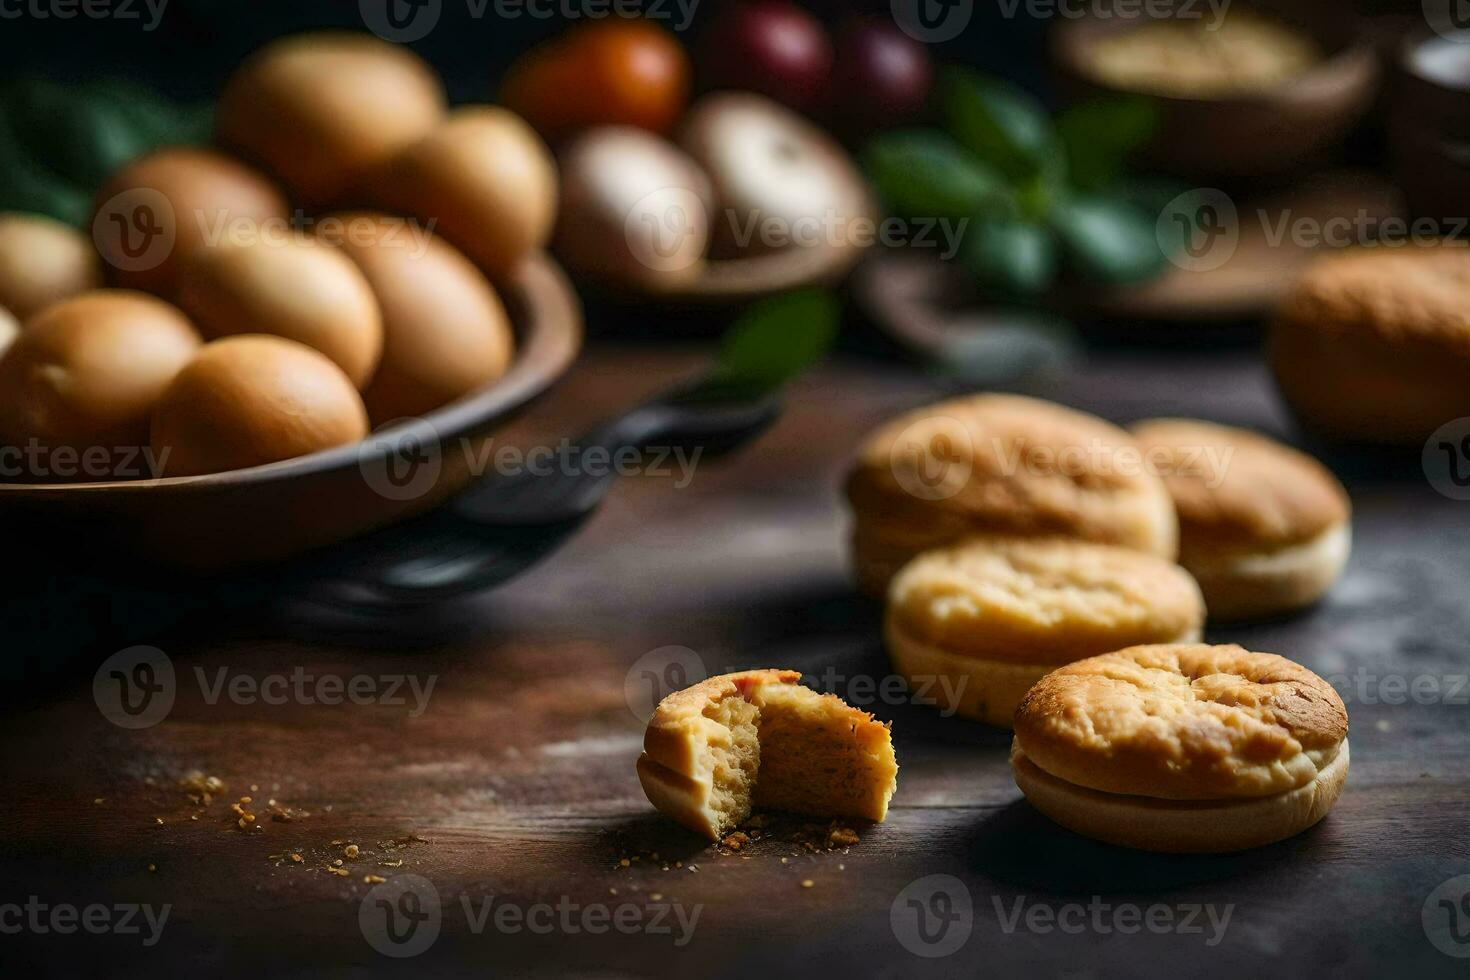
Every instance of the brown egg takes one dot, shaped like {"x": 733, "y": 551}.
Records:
{"x": 42, "y": 262}
{"x": 319, "y": 110}
{"x": 445, "y": 331}
{"x": 9, "y": 330}
{"x": 162, "y": 209}
{"x": 485, "y": 180}
{"x": 86, "y": 372}
{"x": 252, "y": 400}
{"x": 298, "y": 289}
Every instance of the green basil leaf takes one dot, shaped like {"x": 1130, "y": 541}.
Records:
{"x": 1001, "y": 124}
{"x": 922, "y": 173}
{"x": 1038, "y": 195}
{"x": 40, "y": 194}
{"x": 776, "y": 340}
{"x": 159, "y": 121}
{"x": 1010, "y": 256}
{"x": 1107, "y": 239}
{"x": 80, "y": 138}
{"x": 1097, "y": 136}
{"x": 28, "y": 186}
{"x": 70, "y": 139}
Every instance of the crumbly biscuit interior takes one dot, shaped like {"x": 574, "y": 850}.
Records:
{"x": 815, "y": 760}
{"x": 730, "y": 756}
{"x": 789, "y": 748}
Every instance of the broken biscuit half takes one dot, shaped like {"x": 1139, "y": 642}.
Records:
{"x": 758, "y": 739}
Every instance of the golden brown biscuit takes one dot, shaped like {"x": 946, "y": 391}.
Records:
{"x": 1373, "y": 345}
{"x": 1000, "y": 464}
{"x": 759, "y": 739}
{"x": 1263, "y": 528}
{"x": 993, "y": 615}
{"x": 1183, "y": 747}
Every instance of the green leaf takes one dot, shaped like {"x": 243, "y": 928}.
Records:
{"x": 1037, "y": 196}
{"x": 159, "y": 121}
{"x": 1010, "y": 256}
{"x": 1108, "y": 239}
{"x": 81, "y": 138}
{"x": 28, "y": 186}
{"x": 39, "y": 194}
{"x": 67, "y": 140}
{"x": 1097, "y": 136}
{"x": 1001, "y": 124}
{"x": 923, "y": 173}
{"x": 777, "y": 339}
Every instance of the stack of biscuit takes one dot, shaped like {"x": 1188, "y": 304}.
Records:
{"x": 1021, "y": 544}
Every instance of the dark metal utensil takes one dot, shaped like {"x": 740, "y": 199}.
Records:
{"x": 504, "y": 524}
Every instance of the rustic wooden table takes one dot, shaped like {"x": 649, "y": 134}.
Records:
{"x": 508, "y": 787}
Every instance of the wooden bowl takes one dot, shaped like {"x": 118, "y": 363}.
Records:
{"x": 1267, "y": 134}
{"x": 224, "y": 521}
{"x": 732, "y": 282}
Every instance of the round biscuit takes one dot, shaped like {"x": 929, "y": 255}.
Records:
{"x": 1183, "y": 722}
{"x": 1001, "y": 464}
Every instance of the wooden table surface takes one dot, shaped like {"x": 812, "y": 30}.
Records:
{"x": 514, "y": 788}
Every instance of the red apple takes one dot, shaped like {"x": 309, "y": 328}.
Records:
{"x": 771, "y": 47}
{"x": 883, "y": 76}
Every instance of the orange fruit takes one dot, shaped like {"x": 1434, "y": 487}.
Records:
{"x": 616, "y": 72}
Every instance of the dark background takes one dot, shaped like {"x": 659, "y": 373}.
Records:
{"x": 199, "y": 42}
